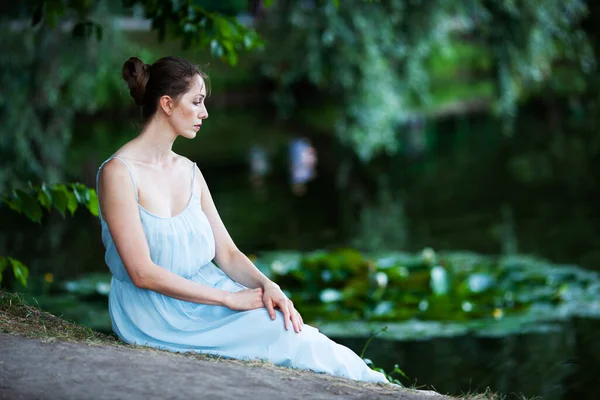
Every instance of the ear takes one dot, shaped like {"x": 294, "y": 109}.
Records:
{"x": 167, "y": 104}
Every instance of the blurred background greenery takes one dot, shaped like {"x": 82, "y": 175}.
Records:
{"x": 464, "y": 126}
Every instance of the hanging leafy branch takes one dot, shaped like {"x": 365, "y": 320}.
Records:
{"x": 62, "y": 197}
{"x": 374, "y": 58}
{"x": 195, "y": 25}
{"x": 32, "y": 201}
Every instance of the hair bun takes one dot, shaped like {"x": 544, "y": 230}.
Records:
{"x": 136, "y": 74}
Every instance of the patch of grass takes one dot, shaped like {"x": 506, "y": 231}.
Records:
{"x": 490, "y": 395}
{"x": 18, "y": 317}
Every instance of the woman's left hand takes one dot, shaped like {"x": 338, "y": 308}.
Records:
{"x": 273, "y": 297}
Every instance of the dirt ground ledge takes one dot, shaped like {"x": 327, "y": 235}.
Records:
{"x": 45, "y": 357}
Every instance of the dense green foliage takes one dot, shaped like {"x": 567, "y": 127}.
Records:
{"x": 384, "y": 77}
{"x": 44, "y": 87}
{"x": 48, "y": 86}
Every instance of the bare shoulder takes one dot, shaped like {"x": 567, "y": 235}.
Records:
{"x": 114, "y": 176}
{"x": 113, "y": 170}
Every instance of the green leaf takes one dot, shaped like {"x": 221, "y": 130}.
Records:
{"x": 399, "y": 371}
{"x": 92, "y": 205}
{"x": 12, "y": 203}
{"x": 226, "y": 28}
{"x": 231, "y": 54}
{"x": 72, "y": 201}
{"x": 29, "y": 205}
{"x": 60, "y": 199}
{"x": 68, "y": 200}
{"x": 81, "y": 193}
{"x": 44, "y": 197}
{"x": 20, "y": 270}
{"x": 232, "y": 58}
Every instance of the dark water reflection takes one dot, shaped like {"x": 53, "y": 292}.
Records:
{"x": 555, "y": 360}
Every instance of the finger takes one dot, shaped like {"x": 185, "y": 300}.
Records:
{"x": 286, "y": 316}
{"x": 296, "y": 322}
{"x": 294, "y": 317}
{"x": 269, "y": 305}
{"x": 299, "y": 319}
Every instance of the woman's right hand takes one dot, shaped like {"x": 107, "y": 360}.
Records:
{"x": 247, "y": 299}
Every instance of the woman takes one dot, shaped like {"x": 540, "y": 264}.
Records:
{"x": 161, "y": 231}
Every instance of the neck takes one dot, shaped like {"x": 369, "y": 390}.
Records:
{"x": 156, "y": 141}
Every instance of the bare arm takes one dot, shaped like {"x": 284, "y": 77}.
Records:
{"x": 121, "y": 213}
{"x": 239, "y": 267}
{"x": 229, "y": 258}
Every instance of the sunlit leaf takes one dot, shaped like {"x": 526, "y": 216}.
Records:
{"x": 92, "y": 205}
{"x": 81, "y": 193}
{"x": 71, "y": 201}
{"x": 20, "y": 270}
{"x": 45, "y": 197}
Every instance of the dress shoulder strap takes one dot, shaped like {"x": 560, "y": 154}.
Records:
{"x": 128, "y": 169}
{"x": 193, "y": 177}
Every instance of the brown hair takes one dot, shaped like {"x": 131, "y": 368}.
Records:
{"x": 171, "y": 76}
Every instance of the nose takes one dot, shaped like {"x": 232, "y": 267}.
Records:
{"x": 203, "y": 112}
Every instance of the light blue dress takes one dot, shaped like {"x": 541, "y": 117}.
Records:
{"x": 184, "y": 244}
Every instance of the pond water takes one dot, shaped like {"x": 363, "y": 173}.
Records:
{"x": 556, "y": 359}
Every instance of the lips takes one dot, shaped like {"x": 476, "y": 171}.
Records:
{"x": 197, "y": 126}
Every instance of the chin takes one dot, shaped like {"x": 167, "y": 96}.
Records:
{"x": 188, "y": 135}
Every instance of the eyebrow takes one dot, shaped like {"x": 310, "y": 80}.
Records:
{"x": 201, "y": 95}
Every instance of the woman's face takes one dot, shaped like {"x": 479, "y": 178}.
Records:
{"x": 187, "y": 116}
